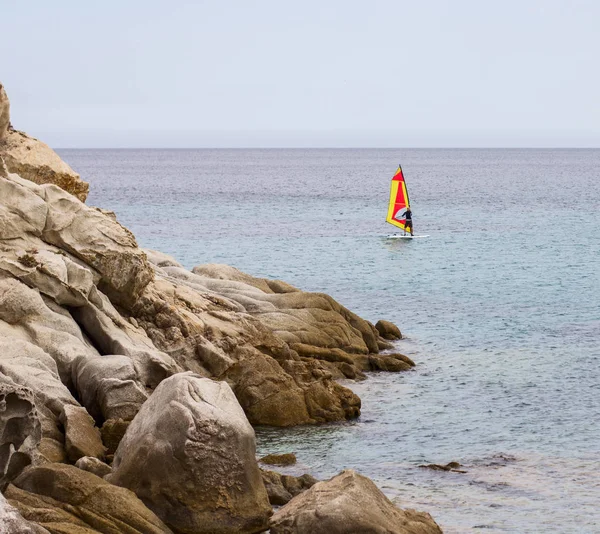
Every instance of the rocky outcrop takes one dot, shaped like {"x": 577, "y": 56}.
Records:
{"x": 209, "y": 481}
{"x": 346, "y": 503}
{"x": 95, "y": 338}
{"x": 33, "y": 160}
{"x": 65, "y": 499}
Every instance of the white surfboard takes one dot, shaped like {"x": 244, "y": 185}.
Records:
{"x": 400, "y": 236}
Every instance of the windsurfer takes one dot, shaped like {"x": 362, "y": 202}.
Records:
{"x": 408, "y": 225}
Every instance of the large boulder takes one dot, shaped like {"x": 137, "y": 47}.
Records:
{"x": 348, "y": 503}
{"x": 65, "y": 499}
{"x": 189, "y": 454}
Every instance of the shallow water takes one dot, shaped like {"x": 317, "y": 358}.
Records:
{"x": 499, "y": 306}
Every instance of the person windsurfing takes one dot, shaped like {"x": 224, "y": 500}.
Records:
{"x": 408, "y": 225}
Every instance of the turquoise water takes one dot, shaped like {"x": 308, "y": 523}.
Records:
{"x": 499, "y": 306}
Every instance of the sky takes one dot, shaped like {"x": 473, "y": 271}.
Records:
{"x": 221, "y": 73}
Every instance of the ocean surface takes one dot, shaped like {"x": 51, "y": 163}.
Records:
{"x": 500, "y": 307}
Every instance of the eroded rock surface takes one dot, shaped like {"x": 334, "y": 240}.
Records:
{"x": 209, "y": 481}
{"x": 348, "y": 503}
{"x": 20, "y": 429}
{"x": 63, "y": 498}
{"x": 34, "y": 160}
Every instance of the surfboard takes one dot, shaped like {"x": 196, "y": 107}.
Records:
{"x": 398, "y": 205}
{"x": 399, "y": 236}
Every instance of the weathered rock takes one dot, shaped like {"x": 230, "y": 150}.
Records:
{"x": 20, "y": 429}
{"x": 33, "y": 159}
{"x": 93, "y": 465}
{"x": 112, "y": 432}
{"x": 11, "y": 521}
{"x": 189, "y": 454}
{"x": 450, "y": 466}
{"x": 65, "y": 499}
{"x": 282, "y": 488}
{"x": 82, "y": 438}
{"x": 390, "y": 362}
{"x": 4, "y": 113}
{"x": 388, "y": 330}
{"x": 288, "y": 458}
{"x": 348, "y": 503}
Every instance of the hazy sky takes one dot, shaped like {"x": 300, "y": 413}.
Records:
{"x": 307, "y": 73}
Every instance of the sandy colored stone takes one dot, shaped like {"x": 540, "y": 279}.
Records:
{"x": 390, "y": 362}
{"x": 348, "y": 503}
{"x": 11, "y": 521}
{"x": 93, "y": 465}
{"x": 189, "y": 454}
{"x": 4, "y": 113}
{"x": 65, "y": 499}
{"x": 82, "y": 438}
{"x": 288, "y": 458}
{"x": 388, "y": 330}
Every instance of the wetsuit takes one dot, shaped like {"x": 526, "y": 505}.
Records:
{"x": 408, "y": 217}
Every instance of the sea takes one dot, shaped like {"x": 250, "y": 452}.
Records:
{"x": 499, "y": 307}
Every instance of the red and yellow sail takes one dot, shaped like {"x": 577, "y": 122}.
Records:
{"x": 398, "y": 200}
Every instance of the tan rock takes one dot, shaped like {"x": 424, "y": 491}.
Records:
{"x": 4, "y": 113}
{"x": 11, "y": 521}
{"x": 65, "y": 499}
{"x": 189, "y": 454}
{"x": 82, "y": 438}
{"x": 388, "y": 330}
{"x": 288, "y": 458}
{"x": 93, "y": 465}
{"x": 348, "y": 503}
{"x": 34, "y": 160}
{"x": 282, "y": 488}
{"x": 390, "y": 362}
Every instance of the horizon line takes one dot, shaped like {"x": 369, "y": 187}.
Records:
{"x": 329, "y": 148}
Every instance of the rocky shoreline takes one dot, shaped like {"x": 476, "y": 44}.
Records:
{"x": 128, "y": 384}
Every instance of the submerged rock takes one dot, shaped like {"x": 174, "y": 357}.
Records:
{"x": 451, "y": 466}
{"x": 189, "y": 454}
{"x": 288, "y": 458}
{"x": 348, "y": 503}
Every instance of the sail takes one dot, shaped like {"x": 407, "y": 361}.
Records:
{"x": 398, "y": 200}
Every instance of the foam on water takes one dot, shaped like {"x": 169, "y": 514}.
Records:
{"x": 500, "y": 307}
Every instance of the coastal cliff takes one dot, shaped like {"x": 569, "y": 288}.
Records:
{"x": 128, "y": 384}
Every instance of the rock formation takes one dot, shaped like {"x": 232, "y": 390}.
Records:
{"x": 347, "y": 503}
{"x": 34, "y": 160}
{"x": 209, "y": 481}
{"x": 109, "y": 352}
